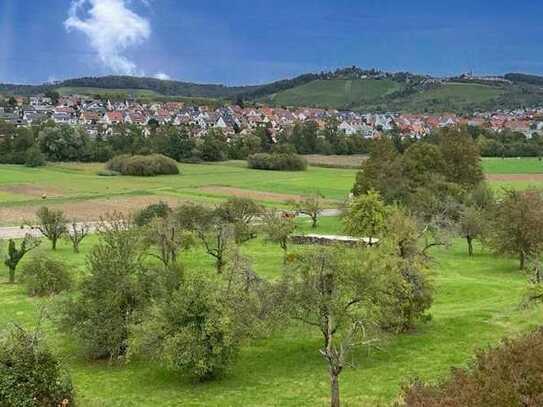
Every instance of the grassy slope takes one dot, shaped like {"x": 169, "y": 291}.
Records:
{"x": 334, "y": 93}
{"x": 475, "y": 305}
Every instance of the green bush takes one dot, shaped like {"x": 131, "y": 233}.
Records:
{"x": 30, "y": 375}
{"x": 108, "y": 173}
{"x": 277, "y": 162}
{"x": 147, "y": 214}
{"x": 143, "y": 165}
{"x": 508, "y": 375}
{"x": 45, "y": 276}
{"x": 34, "y": 157}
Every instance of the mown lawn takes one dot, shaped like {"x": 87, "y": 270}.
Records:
{"x": 476, "y": 304}
{"x": 512, "y": 166}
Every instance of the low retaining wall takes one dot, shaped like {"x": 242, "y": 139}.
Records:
{"x": 333, "y": 239}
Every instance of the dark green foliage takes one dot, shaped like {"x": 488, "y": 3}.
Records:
{"x": 191, "y": 331}
{"x": 214, "y": 146}
{"x": 30, "y": 375}
{"x": 277, "y": 162}
{"x": 118, "y": 286}
{"x": 108, "y": 173}
{"x": 508, "y": 375}
{"x": 147, "y": 214}
{"x": 34, "y": 157}
{"x": 143, "y": 165}
{"x": 64, "y": 143}
{"x": 241, "y": 213}
{"x": 45, "y": 276}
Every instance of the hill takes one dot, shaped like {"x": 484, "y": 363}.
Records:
{"x": 349, "y": 88}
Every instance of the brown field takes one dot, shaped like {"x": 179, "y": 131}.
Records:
{"x": 335, "y": 161}
{"x": 515, "y": 177}
{"x": 32, "y": 190}
{"x": 89, "y": 210}
{"x": 247, "y": 193}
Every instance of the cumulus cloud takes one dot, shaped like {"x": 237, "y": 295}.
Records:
{"x": 163, "y": 76}
{"x": 111, "y": 28}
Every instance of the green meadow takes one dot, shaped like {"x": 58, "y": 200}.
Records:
{"x": 476, "y": 303}
{"x": 476, "y": 300}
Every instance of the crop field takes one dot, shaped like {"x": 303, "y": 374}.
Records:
{"x": 476, "y": 304}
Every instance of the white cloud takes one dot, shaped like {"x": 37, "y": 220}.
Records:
{"x": 163, "y": 76}
{"x": 111, "y": 28}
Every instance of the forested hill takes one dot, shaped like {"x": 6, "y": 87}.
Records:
{"x": 349, "y": 88}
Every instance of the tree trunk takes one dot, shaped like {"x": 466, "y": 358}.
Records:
{"x": 54, "y": 243}
{"x": 522, "y": 259}
{"x": 470, "y": 245}
{"x": 11, "y": 275}
{"x": 315, "y": 221}
{"x": 220, "y": 265}
{"x": 334, "y": 390}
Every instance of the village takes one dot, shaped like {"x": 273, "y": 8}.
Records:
{"x": 100, "y": 117}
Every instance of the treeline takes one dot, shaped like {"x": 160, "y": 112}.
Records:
{"x": 51, "y": 142}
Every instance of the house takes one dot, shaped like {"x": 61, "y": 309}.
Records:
{"x": 113, "y": 117}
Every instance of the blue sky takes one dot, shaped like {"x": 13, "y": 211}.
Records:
{"x": 246, "y": 42}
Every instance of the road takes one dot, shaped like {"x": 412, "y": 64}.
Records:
{"x": 16, "y": 232}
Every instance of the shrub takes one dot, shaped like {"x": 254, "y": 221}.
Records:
{"x": 108, "y": 173}
{"x": 143, "y": 165}
{"x": 30, "y": 375}
{"x": 45, "y": 276}
{"x": 34, "y": 157}
{"x": 147, "y": 214}
{"x": 277, "y": 162}
{"x": 508, "y": 375}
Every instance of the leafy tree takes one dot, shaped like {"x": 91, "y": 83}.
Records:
{"x": 214, "y": 146}
{"x": 472, "y": 225}
{"x": 463, "y": 159}
{"x": 156, "y": 210}
{"x": 421, "y": 160}
{"x": 118, "y": 286}
{"x": 165, "y": 239}
{"x": 51, "y": 224}
{"x": 278, "y": 229}
{"x": 64, "y": 143}
{"x": 30, "y": 374}
{"x": 310, "y": 206}
{"x": 518, "y": 226}
{"x": 193, "y": 330}
{"x": 76, "y": 233}
{"x": 34, "y": 157}
{"x": 44, "y": 276}
{"x": 366, "y": 216}
{"x": 214, "y": 233}
{"x": 336, "y": 293}
{"x": 15, "y": 255}
{"x": 242, "y": 214}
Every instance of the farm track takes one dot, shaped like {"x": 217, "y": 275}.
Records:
{"x": 18, "y": 232}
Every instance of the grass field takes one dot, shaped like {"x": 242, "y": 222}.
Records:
{"x": 82, "y": 194}
{"x": 476, "y": 304}
{"x": 335, "y": 93}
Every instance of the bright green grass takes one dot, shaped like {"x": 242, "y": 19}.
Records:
{"x": 476, "y": 304}
{"x": 512, "y": 165}
{"x": 335, "y": 93}
{"x": 73, "y": 182}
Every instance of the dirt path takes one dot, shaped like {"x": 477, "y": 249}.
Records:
{"x": 515, "y": 177}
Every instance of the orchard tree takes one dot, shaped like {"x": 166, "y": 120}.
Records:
{"x": 242, "y": 214}
{"x": 15, "y": 255}
{"x": 278, "y": 229}
{"x": 472, "y": 225}
{"x": 310, "y": 206}
{"x": 76, "y": 233}
{"x": 336, "y": 293}
{"x": 51, "y": 224}
{"x": 366, "y": 216}
{"x": 163, "y": 239}
{"x": 518, "y": 226}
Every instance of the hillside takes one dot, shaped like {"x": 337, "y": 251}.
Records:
{"x": 349, "y": 88}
